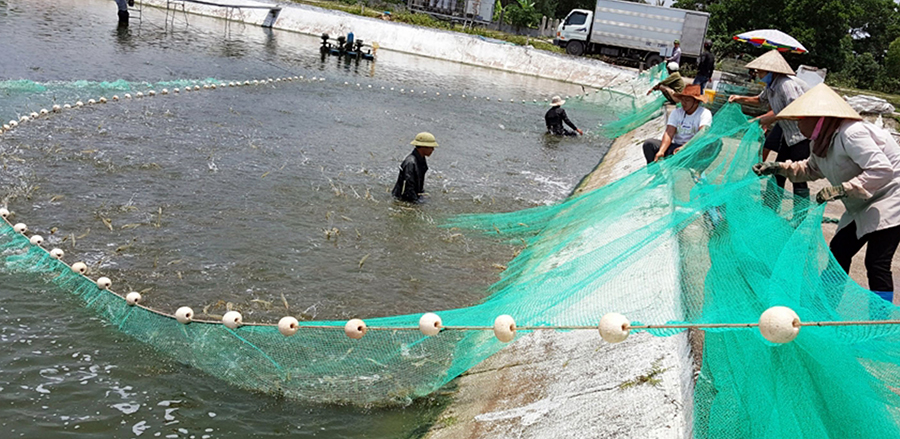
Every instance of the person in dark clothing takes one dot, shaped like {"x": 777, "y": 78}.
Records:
{"x": 123, "y": 11}
{"x": 411, "y": 179}
{"x": 556, "y": 116}
{"x": 706, "y": 65}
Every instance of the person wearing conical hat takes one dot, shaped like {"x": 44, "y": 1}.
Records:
{"x": 782, "y": 88}
{"x": 862, "y": 162}
{"x": 411, "y": 181}
{"x": 555, "y": 117}
{"x": 684, "y": 123}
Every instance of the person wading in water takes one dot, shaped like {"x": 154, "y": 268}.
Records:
{"x": 411, "y": 181}
{"x": 556, "y": 116}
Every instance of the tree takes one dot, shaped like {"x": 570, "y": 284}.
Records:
{"x": 522, "y": 14}
{"x": 892, "y": 59}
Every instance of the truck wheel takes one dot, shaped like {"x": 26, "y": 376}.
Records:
{"x": 653, "y": 59}
{"x": 575, "y": 48}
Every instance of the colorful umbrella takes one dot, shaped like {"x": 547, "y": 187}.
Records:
{"x": 772, "y": 39}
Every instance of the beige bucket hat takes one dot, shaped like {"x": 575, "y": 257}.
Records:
{"x": 772, "y": 61}
{"x": 557, "y": 101}
{"x": 425, "y": 139}
{"x": 819, "y": 101}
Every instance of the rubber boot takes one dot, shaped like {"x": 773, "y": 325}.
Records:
{"x": 123, "y": 18}
{"x": 878, "y": 309}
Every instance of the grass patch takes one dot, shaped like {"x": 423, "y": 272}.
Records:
{"x": 650, "y": 378}
{"x": 449, "y": 421}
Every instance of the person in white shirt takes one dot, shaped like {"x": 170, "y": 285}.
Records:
{"x": 684, "y": 123}
{"x": 676, "y": 53}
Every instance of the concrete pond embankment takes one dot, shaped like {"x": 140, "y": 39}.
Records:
{"x": 432, "y": 43}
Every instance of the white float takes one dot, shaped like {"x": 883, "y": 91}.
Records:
{"x": 232, "y": 319}
{"x": 104, "y": 283}
{"x": 355, "y": 329}
{"x": 36, "y": 239}
{"x": 288, "y": 326}
{"x": 79, "y": 267}
{"x": 184, "y": 315}
{"x": 505, "y": 328}
{"x": 57, "y": 253}
{"x": 614, "y": 327}
{"x": 133, "y": 298}
{"x": 430, "y": 324}
{"x": 20, "y": 228}
{"x": 779, "y": 324}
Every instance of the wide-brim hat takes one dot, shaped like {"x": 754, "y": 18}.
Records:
{"x": 772, "y": 61}
{"x": 693, "y": 91}
{"x": 556, "y": 101}
{"x": 819, "y": 101}
{"x": 425, "y": 139}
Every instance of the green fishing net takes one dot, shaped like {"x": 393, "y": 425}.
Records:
{"x": 693, "y": 238}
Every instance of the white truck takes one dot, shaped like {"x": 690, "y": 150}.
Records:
{"x": 636, "y": 31}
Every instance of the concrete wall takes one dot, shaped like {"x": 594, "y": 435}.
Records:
{"x": 450, "y": 46}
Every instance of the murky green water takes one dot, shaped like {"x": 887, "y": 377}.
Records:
{"x": 242, "y": 196}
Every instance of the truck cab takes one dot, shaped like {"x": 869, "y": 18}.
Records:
{"x": 576, "y": 27}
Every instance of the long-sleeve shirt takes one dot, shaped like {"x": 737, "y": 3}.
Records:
{"x": 554, "y": 119}
{"x": 676, "y": 55}
{"x": 706, "y": 64}
{"x": 780, "y": 94}
{"x": 411, "y": 179}
{"x": 865, "y": 160}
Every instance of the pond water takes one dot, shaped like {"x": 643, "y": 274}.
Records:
{"x": 255, "y": 198}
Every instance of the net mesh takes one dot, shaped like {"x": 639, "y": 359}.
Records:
{"x": 613, "y": 249}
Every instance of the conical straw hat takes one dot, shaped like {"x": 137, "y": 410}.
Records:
{"x": 819, "y": 101}
{"x": 772, "y": 61}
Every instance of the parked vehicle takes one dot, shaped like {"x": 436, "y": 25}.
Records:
{"x": 636, "y": 31}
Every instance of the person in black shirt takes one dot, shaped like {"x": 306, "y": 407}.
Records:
{"x": 556, "y": 116}
{"x": 706, "y": 65}
{"x": 411, "y": 180}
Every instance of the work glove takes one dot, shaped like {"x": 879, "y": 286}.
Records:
{"x": 766, "y": 168}
{"x": 830, "y": 193}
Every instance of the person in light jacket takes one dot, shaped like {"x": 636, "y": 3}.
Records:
{"x": 862, "y": 163}
{"x": 782, "y": 88}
